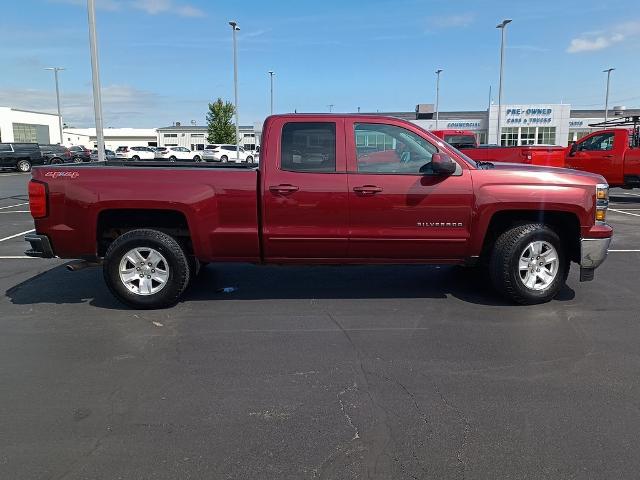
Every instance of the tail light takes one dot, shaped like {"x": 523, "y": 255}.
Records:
{"x": 38, "y": 199}
{"x": 67, "y": 153}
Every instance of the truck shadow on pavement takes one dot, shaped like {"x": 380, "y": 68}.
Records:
{"x": 250, "y": 282}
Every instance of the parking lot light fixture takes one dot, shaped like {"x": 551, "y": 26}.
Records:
{"x": 438, "y": 72}
{"x": 55, "y": 71}
{"x": 271, "y": 73}
{"x": 606, "y": 97}
{"x": 502, "y": 26}
{"x": 234, "y": 29}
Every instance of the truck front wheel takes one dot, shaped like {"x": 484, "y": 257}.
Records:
{"x": 146, "y": 269}
{"x": 528, "y": 264}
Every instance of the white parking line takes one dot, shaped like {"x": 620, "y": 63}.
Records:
{"x": 623, "y": 251}
{"x": 626, "y": 213}
{"x": 14, "y": 257}
{"x": 17, "y": 211}
{"x": 16, "y": 205}
{"x": 17, "y": 235}
{"x": 11, "y": 174}
{"x": 625, "y": 193}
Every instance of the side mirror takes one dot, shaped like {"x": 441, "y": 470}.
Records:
{"x": 573, "y": 149}
{"x": 441, "y": 164}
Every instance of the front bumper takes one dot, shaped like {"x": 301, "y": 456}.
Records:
{"x": 593, "y": 251}
{"x": 40, "y": 246}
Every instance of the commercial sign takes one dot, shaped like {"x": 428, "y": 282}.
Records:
{"x": 464, "y": 125}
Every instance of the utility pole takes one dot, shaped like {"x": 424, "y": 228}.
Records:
{"x": 271, "y": 73}
{"x": 502, "y": 26}
{"x": 330, "y": 107}
{"x": 235, "y": 28}
{"x": 55, "y": 71}
{"x": 95, "y": 76}
{"x": 606, "y": 98}
{"x": 438, "y": 72}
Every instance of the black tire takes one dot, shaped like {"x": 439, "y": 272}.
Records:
{"x": 77, "y": 159}
{"x": 224, "y": 158}
{"x": 249, "y": 159}
{"x": 178, "y": 265}
{"x": 55, "y": 161}
{"x": 504, "y": 264}
{"x": 197, "y": 158}
{"x": 23, "y": 166}
{"x": 172, "y": 158}
{"x": 135, "y": 158}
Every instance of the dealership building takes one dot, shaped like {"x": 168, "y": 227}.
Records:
{"x": 551, "y": 124}
{"x": 26, "y": 126}
{"x": 195, "y": 136}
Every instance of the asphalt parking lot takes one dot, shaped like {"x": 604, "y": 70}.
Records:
{"x": 325, "y": 372}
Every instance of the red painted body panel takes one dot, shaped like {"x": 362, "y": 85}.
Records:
{"x": 279, "y": 216}
{"x": 614, "y": 165}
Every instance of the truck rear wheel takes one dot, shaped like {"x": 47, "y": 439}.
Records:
{"x": 528, "y": 264}
{"x": 146, "y": 269}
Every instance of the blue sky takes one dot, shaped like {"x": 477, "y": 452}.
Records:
{"x": 163, "y": 60}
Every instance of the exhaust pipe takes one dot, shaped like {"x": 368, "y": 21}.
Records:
{"x": 81, "y": 265}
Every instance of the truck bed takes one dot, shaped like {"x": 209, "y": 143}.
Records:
{"x": 219, "y": 203}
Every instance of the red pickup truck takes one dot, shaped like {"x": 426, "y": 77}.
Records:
{"x": 330, "y": 189}
{"x": 612, "y": 153}
{"x": 547, "y": 155}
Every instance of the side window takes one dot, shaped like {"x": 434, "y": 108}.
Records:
{"x": 308, "y": 147}
{"x": 384, "y": 148}
{"x": 598, "y": 143}
{"x": 5, "y": 148}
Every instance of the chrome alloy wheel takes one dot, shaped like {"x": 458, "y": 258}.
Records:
{"x": 538, "y": 265}
{"x": 144, "y": 271}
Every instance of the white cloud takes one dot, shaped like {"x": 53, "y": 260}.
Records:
{"x": 122, "y": 104}
{"x": 593, "y": 41}
{"x": 460, "y": 20}
{"x": 154, "y": 7}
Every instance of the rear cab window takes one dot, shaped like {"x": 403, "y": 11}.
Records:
{"x": 308, "y": 147}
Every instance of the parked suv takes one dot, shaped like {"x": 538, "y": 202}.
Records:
{"x": 80, "y": 154}
{"x": 177, "y": 153}
{"x": 20, "y": 156}
{"x": 135, "y": 153}
{"x": 54, "y": 154}
{"x": 226, "y": 153}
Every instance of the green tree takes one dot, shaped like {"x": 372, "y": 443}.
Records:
{"x": 220, "y": 128}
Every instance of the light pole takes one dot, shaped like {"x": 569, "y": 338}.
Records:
{"x": 235, "y": 28}
{"x": 330, "y": 107}
{"x": 502, "y": 26}
{"x": 606, "y": 98}
{"x": 271, "y": 78}
{"x": 55, "y": 71}
{"x": 438, "y": 72}
{"x": 95, "y": 75}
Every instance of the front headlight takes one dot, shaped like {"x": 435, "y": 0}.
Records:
{"x": 602, "y": 203}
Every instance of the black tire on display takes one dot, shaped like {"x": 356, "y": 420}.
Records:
{"x": 522, "y": 265}
{"x": 23, "y": 166}
{"x": 174, "y": 262}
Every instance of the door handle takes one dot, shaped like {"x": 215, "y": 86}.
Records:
{"x": 608, "y": 156}
{"x": 367, "y": 189}
{"x": 284, "y": 189}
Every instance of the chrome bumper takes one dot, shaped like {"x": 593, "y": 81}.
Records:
{"x": 593, "y": 251}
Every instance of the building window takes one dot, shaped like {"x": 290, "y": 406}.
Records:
{"x": 481, "y": 138}
{"x": 509, "y": 137}
{"x": 170, "y": 135}
{"x": 170, "y": 144}
{"x": 547, "y": 135}
{"x": 197, "y": 135}
{"x": 527, "y": 135}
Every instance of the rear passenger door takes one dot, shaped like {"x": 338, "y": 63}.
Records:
{"x": 304, "y": 185}
{"x": 6, "y": 155}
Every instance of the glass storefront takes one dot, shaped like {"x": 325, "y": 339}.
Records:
{"x": 514, "y": 136}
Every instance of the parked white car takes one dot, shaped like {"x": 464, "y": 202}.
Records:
{"x": 135, "y": 153}
{"x": 178, "y": 153}
{"x": 225, "y": 153}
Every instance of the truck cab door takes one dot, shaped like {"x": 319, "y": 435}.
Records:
{"x": 304, "y": 191}
{"x": 399, "y": 208}
{"x": 601, "y": 153}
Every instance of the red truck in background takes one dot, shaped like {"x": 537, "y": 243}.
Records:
{"x": 547, "y": 155}
{"x": 613, "y": 153}
{"x": 323, "y": 194}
